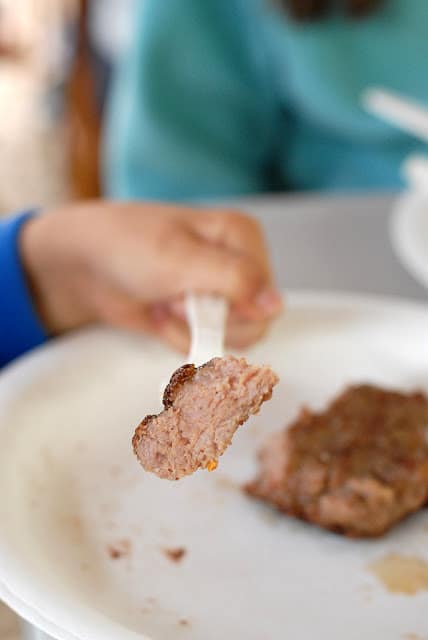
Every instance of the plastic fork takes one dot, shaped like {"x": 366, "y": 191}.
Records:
{"x": 206, "y": 315}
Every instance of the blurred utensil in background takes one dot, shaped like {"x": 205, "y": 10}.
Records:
{"x": 398, "y": 110}
{"x": 408, "y": 224}
{"x": 406, "y": 114}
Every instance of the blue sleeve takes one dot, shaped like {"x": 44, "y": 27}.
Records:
{"x": 20, "y": 330}
{"x": 193, "y": 112}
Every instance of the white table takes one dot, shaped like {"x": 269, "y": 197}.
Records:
{"x": 320, "y": 242}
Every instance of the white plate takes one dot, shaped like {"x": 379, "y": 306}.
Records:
{"x": 70, "y": 488}
{"x": 409, "y": 233}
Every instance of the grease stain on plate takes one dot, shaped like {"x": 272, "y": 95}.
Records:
{"x": 401, "y": 574}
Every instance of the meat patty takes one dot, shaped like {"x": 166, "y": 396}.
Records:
{"x": 203, "y": 408}
{"x": 356, "y": 468}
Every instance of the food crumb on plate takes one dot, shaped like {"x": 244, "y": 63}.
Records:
{"x": 183, "y": 622}
{"x": 175, "y": 554}
{"x": 119, "y": 549}
{"x": 212, "y": 465}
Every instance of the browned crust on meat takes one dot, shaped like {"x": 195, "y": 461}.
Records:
{"x": 176, "y": 554}
{"x": 139, "y": 431}
{"x": 267, "y": 396}
{"x": 178, "y": 379}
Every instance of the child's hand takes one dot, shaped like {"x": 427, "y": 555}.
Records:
{"x": 129, "y": 265}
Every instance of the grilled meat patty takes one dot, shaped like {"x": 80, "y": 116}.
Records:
{"x": 357, "y": 468}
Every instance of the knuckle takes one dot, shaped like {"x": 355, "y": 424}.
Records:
{"x": 246, "y": 335}
{"x": 243, "y": 276}
{"x": 236, "y": 219}
{"x": 243, "y": 225}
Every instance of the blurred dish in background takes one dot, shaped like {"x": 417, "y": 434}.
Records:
{"x": 409, "y": 233}
{"x": 103, "y": 29}
{"x": 409, "y": 222}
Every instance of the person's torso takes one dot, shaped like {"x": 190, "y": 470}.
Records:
{"x": 321, "y": 69}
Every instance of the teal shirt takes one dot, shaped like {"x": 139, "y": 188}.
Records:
{"x": 228, "y": 97}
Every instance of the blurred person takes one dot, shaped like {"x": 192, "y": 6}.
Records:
{"x": 108, "y": 27}
{"x": 101, "y": 34}
{"x": 49, "y": 133}
{"x": 128, "y": 265}
{"x": 34, "y": 61}
{"x": 82, "y": 110}
{"x": 230, "y": 97}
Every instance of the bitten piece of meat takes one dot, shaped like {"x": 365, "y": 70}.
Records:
{"x": 203, "y": 408}
{"x": 356, "y": 468}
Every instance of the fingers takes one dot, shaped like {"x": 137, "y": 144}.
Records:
{"x": 266, "y": 306}
{"x": 175, "y": 333}
{"x": 213, "y": 269}
{"x": 123, "y": 312}
{"x": 120, "y": 311}
{"x": 161, "y": 321}
{"x": 235, "y": 231}
{"x": 243, "y": 236}
{"x": 160, "y": 256}
{"x": 240, "y": 332}
{"x": 241, "y": 335}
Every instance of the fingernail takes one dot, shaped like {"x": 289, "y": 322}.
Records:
{"x": 270, "y": 300}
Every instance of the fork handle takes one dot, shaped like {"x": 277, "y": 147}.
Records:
{"x": 206, "y": 315}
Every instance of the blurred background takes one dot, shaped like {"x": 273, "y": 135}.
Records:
{"x": 210, "y": 100}
{"x": 55, "y": 63}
